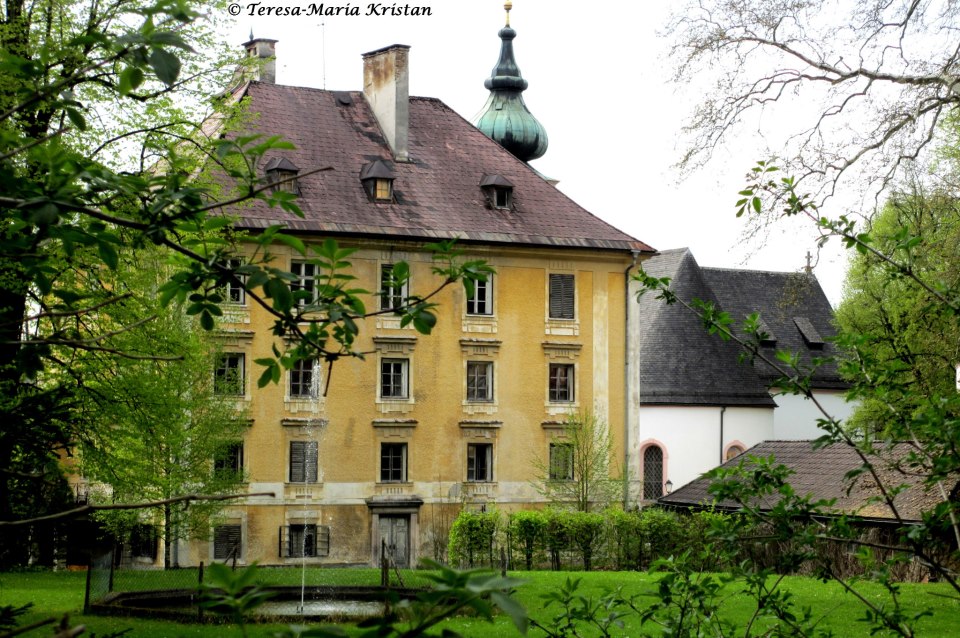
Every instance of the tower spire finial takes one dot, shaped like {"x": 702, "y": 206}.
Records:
{"x": 505, "y": 118}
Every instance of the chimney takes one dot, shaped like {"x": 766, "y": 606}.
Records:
{"x": 386, "y": 85}
{"x": 264, "y": 53}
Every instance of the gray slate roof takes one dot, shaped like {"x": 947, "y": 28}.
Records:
{"x": 681, "y": 364}
{"x": 820, "y": 473}
{"x": 437, "y": 193}
{"x": 790, "y": 304}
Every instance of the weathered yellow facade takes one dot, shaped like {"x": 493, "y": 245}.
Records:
{"x": 437, "y": 425}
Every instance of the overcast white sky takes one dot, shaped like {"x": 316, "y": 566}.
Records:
{"x": 599, "y": 83}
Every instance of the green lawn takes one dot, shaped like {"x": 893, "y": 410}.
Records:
{"x": 54, "y": 594}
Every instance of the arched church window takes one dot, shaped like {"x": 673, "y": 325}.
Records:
{"x": 652, "y": 472}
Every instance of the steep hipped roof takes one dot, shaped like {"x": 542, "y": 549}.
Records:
{"x": 821, "y": 473}
{"x": 436, "y": 194}
{"x": 680, "y": 363}
{"x": 794, "y": 310}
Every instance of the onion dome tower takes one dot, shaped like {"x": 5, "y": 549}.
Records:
{"x": 505, "y": 118}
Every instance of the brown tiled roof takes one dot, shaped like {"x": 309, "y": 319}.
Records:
{"x": 821, "y": 472}
{"x": 437, "y": 193}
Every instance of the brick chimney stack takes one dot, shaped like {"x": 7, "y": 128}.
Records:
{"x": 386, "y": 85}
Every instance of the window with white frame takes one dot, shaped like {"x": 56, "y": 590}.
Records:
{"x": 481, "y": 301}
{"x": 394, "y": 378}
{"x": 228, "y": 376}
{"x": 303, "y": 378}
{"x": 561, "y": 461}
{"x": 393, "y": 462}
{"x": 303, "y": 461}
{"x": 394, "y": 286}
{"x": 227, "y": 542}
{"x": 232, "y": 291}
{"x": 480, "y": 462}
{"x": 652, "y": 472}
{"x": 299, "y": 540}
{"x": 562, "y": 296}
{"x": 479, "y": 381}
{"x": 228, "y": 461}
{"x": 561, "y": 385}
{"x": 306, "y": 274}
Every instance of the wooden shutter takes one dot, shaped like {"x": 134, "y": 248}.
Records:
{"x": 303, "y": 461}
{"x": 562, "y": 292}
{"x": 226, "y": 542}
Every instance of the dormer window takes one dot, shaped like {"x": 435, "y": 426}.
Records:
{"x": 282, "y": 175}
{"x": 377, "y": 179}
{"x": 498, "y": 189}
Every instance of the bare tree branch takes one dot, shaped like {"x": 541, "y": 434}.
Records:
{"x": 85, "y": 509}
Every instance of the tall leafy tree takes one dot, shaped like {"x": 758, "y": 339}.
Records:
{"x": 576, "y": 473}
{"x": 892, "y": 320}
{"x": 158, "y": 428}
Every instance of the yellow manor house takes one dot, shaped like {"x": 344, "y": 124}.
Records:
{"x": 425, "y": 425}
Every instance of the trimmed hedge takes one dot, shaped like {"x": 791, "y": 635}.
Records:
{"x": 560, "y": 539}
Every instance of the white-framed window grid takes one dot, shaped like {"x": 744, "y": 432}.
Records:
{"x": 306, "y": 274}
{"x": 229, "y": 374}
{"x": 481, "y": 301}
{"x": 394, "y": 378}
{"x": 393, "y": 462}
{"x": 480, "y": 381}
{"x": 304, "y": 379}
{"x": 479, "y": 462}
{"x": 561, "y": 384}
{"x": 393, "y": 294}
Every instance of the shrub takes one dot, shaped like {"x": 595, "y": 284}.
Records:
{"x": 472, "y": 537}
{"x": 527, "y": 530}
{"x": 585, "y": 531}
{"x": 625, "y": 538}
{"x": 557, "y": 535}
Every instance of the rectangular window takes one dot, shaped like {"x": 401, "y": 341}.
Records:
{"x": 302, "y": 379}
{"x": 233, "y": 291}
{"x": 480, "y": 462}
{"x": 562, "y": 296}
{"x": 481, "y": 302}
{"x": 306, "y": 274}
{"x": 561, "y": 462}
{"x": 393, "y": 293}
{"x": 304, "y": 540}
{"x": 228, "y": 461}
{"x": 393, "y": 462}
{"x": 228, "y": 375}
{"x": 479, "y": 381}
{"x": 383, "y": 189}
{"x": 227, "y": 542}
{"x": 303, "y": 461}
{"x": 561, "y": 383}
{"x": 393, "y": 378}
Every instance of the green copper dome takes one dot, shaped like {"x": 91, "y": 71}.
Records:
{"x": 505, "y": 118}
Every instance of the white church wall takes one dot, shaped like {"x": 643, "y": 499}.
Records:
{"x": 690, "y": 437}
{"x": 796, "y": 417}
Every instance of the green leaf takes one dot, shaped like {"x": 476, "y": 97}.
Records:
{"x": 76, "y": 118}
{"x": 108, "y": 254}
{"x": 165, "y": 65}
{"x": 46, "y": 215}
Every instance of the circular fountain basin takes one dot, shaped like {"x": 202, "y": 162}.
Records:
{"x": 319, "y": 603}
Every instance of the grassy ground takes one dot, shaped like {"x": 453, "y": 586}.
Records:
{"x": 54, "y": 594}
